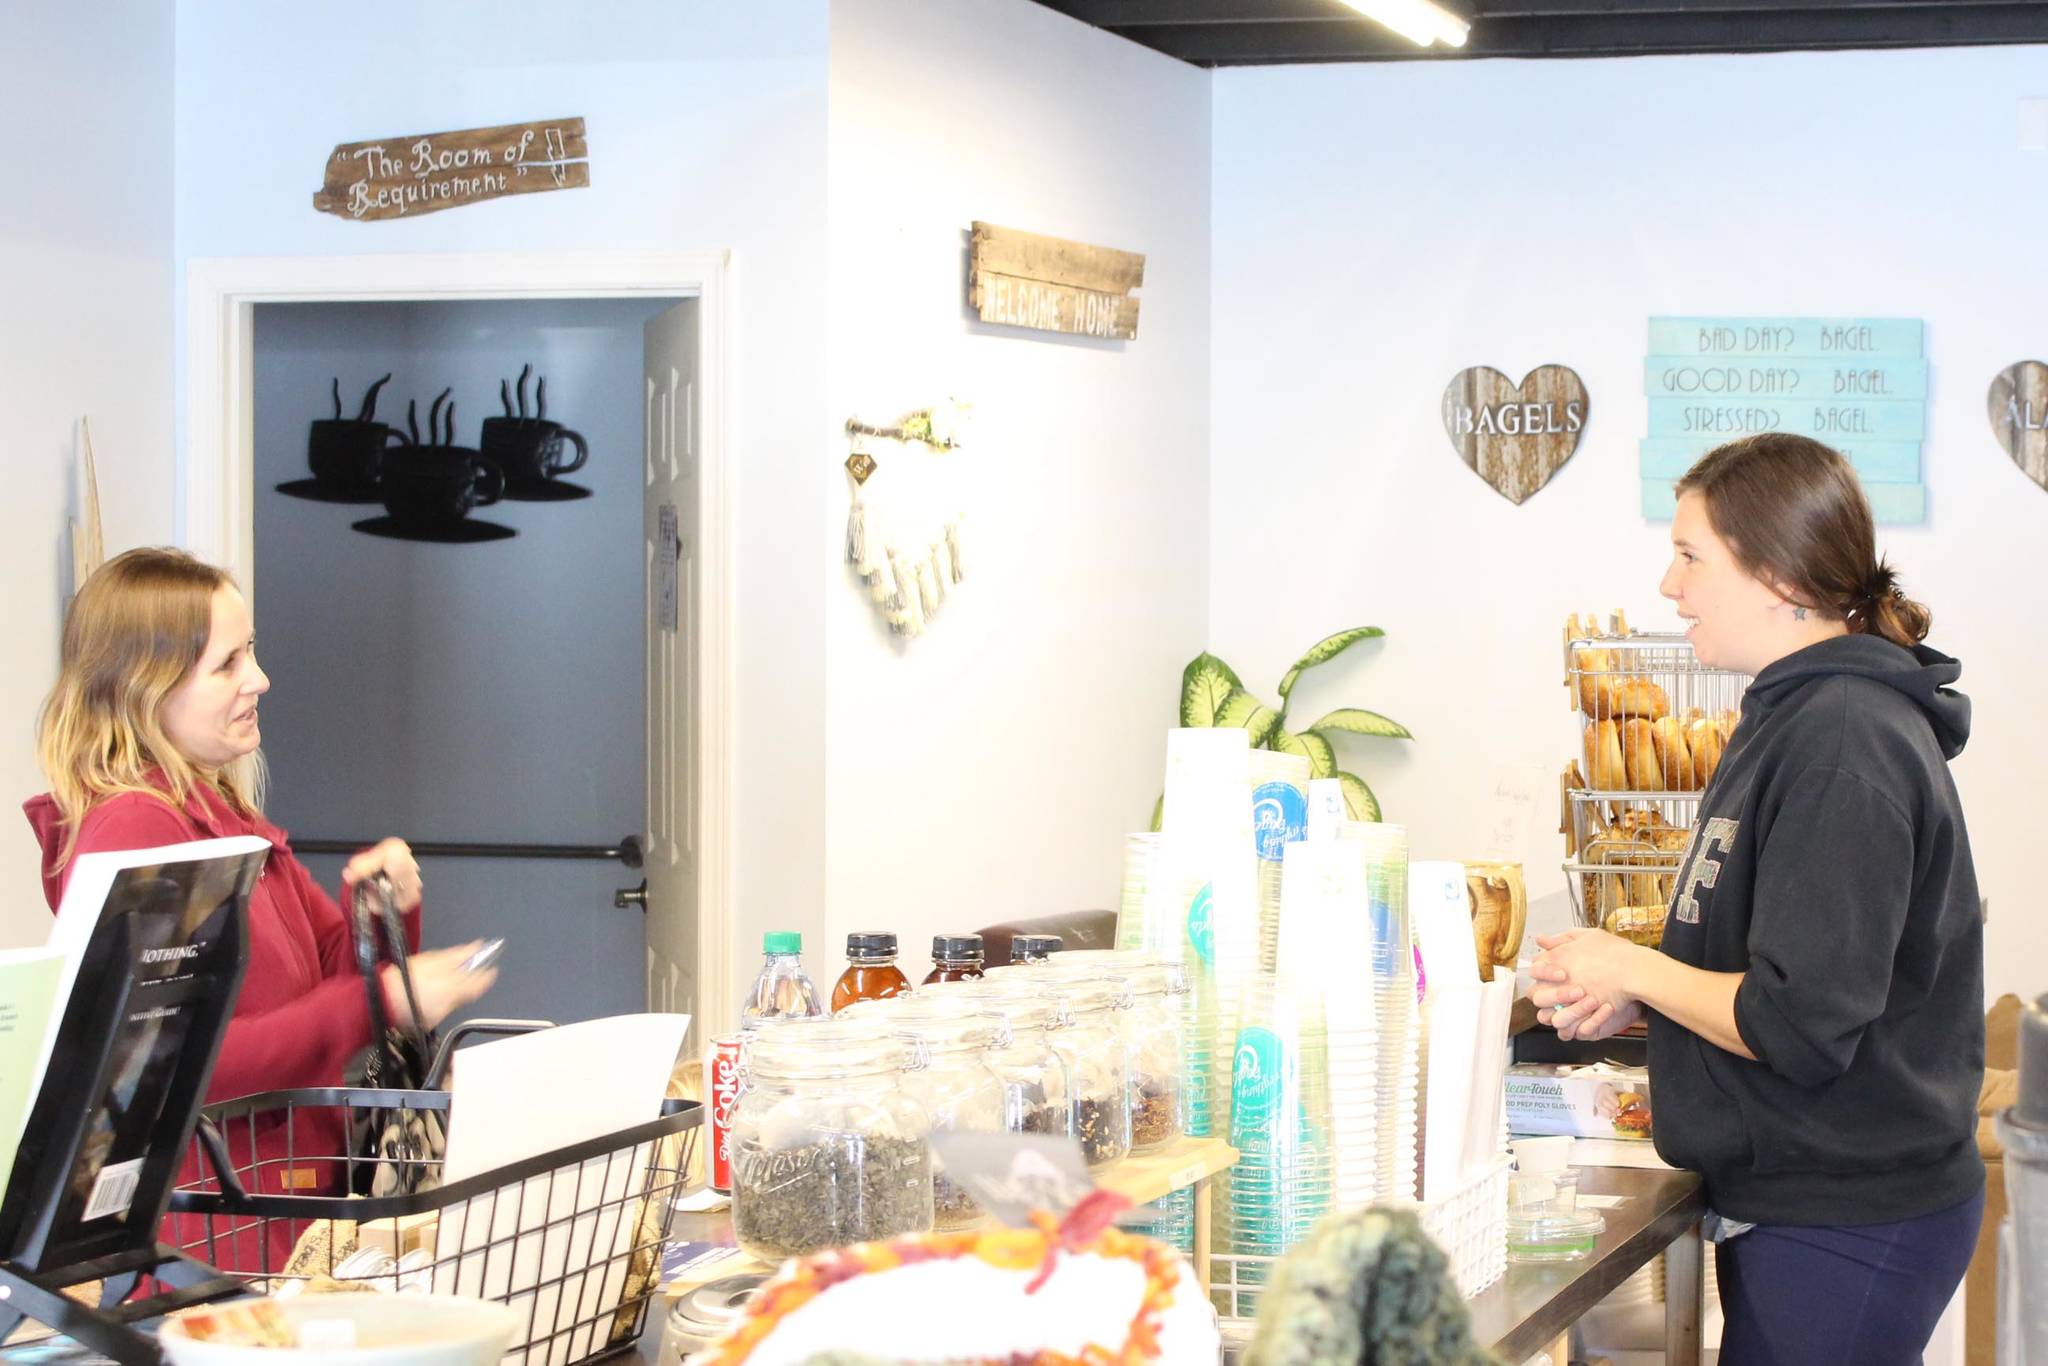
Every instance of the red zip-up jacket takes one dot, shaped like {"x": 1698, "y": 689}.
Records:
{"x": 302, "y": 1016}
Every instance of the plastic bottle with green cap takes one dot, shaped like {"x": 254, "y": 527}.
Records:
{"x": 783, "y": 988}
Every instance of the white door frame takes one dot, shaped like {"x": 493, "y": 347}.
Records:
{"x": 216, "y": 514}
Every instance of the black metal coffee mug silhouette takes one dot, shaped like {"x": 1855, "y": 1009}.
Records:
{"x": 434, "y": 485}
{"x": 346, "y": 454}
{"x": 530, "y": 448}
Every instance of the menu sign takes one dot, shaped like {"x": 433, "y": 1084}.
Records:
{"x": 1859, "y": 384}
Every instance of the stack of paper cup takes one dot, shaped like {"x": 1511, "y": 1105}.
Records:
{"x": 1383, "y": 851}
{"x": 1282, "y": 1182}
{"x": 1134, "y": 929}
{"x": 1201, "y": 902}
{"x": 1279, "y": 818}
{"x": 1326, "y": 809}
{"x": 1325, "y": 940}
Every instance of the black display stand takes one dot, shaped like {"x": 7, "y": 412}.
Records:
{"x": 171, "y": 945}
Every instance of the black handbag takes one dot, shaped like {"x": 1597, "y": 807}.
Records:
{"x": 397, "y": 1149}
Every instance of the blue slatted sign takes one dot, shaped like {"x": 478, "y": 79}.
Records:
{"x": 1859, "y": 384}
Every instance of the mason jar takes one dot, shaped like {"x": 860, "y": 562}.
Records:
{"x": 1090, "y": 1040}
{"x": 828, "y": 1147}
{"x": 950, "y": 1076}
{"x": 1031, "y": 1072}
{"x": 1152, "y": 1025}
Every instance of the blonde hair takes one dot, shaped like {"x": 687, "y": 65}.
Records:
{"x": 134, "y": 632}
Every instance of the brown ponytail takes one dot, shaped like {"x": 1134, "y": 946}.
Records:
{"x": 1794, "y": 514}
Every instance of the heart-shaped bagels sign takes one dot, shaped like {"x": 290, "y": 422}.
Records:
{"x": 2019, "y": 416}
{"x": 1515, "y": 436}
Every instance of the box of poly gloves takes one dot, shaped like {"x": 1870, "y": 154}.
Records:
{"x": 1596, "y": 1101}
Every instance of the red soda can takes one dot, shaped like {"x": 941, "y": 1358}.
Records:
{"x": 722, "y": 1073}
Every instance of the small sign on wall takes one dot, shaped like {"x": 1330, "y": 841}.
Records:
{"x": 2019, "y": 416}
{"x": 428, "y": 172}
{"x": 1515, "y": 436}
{"x": 1858, "y": 384}
{"x": 1023, "y": 279}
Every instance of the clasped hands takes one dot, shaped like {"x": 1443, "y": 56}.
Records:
{"x": 1584, "y": 983}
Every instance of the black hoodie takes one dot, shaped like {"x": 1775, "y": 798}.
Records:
{"x": 1830, "y": 866}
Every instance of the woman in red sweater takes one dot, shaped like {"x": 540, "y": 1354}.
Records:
{"x": 150, "y": 737}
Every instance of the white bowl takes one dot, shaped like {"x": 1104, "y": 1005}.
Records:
{"x": 390, "y": 1330}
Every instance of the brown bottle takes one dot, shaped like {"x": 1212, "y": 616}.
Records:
{"x": 955, "y": 958}
{"x": 871, "y": 972}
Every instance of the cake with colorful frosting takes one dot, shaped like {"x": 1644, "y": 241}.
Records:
{"x": 1076, "y": 1292}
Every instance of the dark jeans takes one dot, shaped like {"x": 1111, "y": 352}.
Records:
{"x": 1865, "y": 1295}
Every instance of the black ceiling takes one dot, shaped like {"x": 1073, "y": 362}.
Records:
{"x": 1257, "y": 32}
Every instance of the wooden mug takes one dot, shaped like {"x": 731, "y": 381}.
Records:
{"x": 1500, "y": 909}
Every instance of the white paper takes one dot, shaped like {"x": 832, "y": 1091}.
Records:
{"x": 1468, "y": 1031}
{"x": 1440, "y": 917}
{"x": 1518, "y": 790}
{"x": 1487, "y": 1129}
{"x": 559, "y": 1245}
{"x": 533, "y": 1093}
{"x": 1453, "y": 1038}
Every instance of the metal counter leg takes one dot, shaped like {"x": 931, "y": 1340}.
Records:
{"x": 1685, "y": 1288}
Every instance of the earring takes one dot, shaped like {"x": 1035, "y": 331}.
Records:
{"x": 1798, "y": 613}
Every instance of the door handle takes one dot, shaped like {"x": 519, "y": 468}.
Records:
{"x": 631, "y": 896}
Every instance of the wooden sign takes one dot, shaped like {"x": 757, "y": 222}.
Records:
{"x": 1828, "y": 338}
{"x": 1515, "y": 436}
{"x": 1834, "y": 423}
{"x": 1858, "y": 384}
{"x": 1021, "y": 279}
{"x": 427, "y": 172}
{"x": 2019, "y": 416}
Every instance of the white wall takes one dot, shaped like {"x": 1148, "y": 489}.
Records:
{"x": 1378, "y": 228}
{"x": 707, "y": 129}
{"x": 85, "y": 225}
{"x": 487, "y": 692}
{"x": 987, "y": 768}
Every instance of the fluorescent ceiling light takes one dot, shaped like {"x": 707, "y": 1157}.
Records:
{"x": 1421, "y": 22}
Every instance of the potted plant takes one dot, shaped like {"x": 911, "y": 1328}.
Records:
{"x": 1211, "y": 694}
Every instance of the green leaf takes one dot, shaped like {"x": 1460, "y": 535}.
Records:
{"x": 1158, "y": 813}
{"x": 1205, "y": 685}
{"x": 1242, "y": 709}
{"x": 1357, "y": 721}
{"x": 1325, "y": 650}
{"x": 1322, "y": 758}
{"x": 1359, "y": 803}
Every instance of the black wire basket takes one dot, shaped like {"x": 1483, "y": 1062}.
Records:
{"x": 570, "y": 1239}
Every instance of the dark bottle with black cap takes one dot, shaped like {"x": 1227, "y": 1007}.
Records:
{"x": 955, "y": 958}
{"x": 871, "y": 972}
{"x": 1033, "y": 948}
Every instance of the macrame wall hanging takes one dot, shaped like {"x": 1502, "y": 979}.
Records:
{"x": 903, "y": 534}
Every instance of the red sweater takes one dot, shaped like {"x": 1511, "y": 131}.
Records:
{"x": 302, "y": 1014}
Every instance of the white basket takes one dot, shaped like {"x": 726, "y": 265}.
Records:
{"x": 1470, "y": 1225}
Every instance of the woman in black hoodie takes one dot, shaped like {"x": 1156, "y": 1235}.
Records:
{"x": 1816, "y": 1011}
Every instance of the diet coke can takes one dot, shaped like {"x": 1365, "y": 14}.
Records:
{"x": 722, "y": 1078}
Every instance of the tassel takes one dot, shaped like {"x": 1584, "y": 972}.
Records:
{"x": 927, "y": 591}
{"x": 857, "y": 532}
{"x": 938, "y": 573}
{"x": 907, "y": 593}
{"x": 881, "y": 582}
{"x": 953, "y": 537}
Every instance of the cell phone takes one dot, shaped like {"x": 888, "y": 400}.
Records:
{"x": 486, "y": 954}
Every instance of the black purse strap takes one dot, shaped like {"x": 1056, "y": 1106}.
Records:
{"x": 380, "y": 939}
